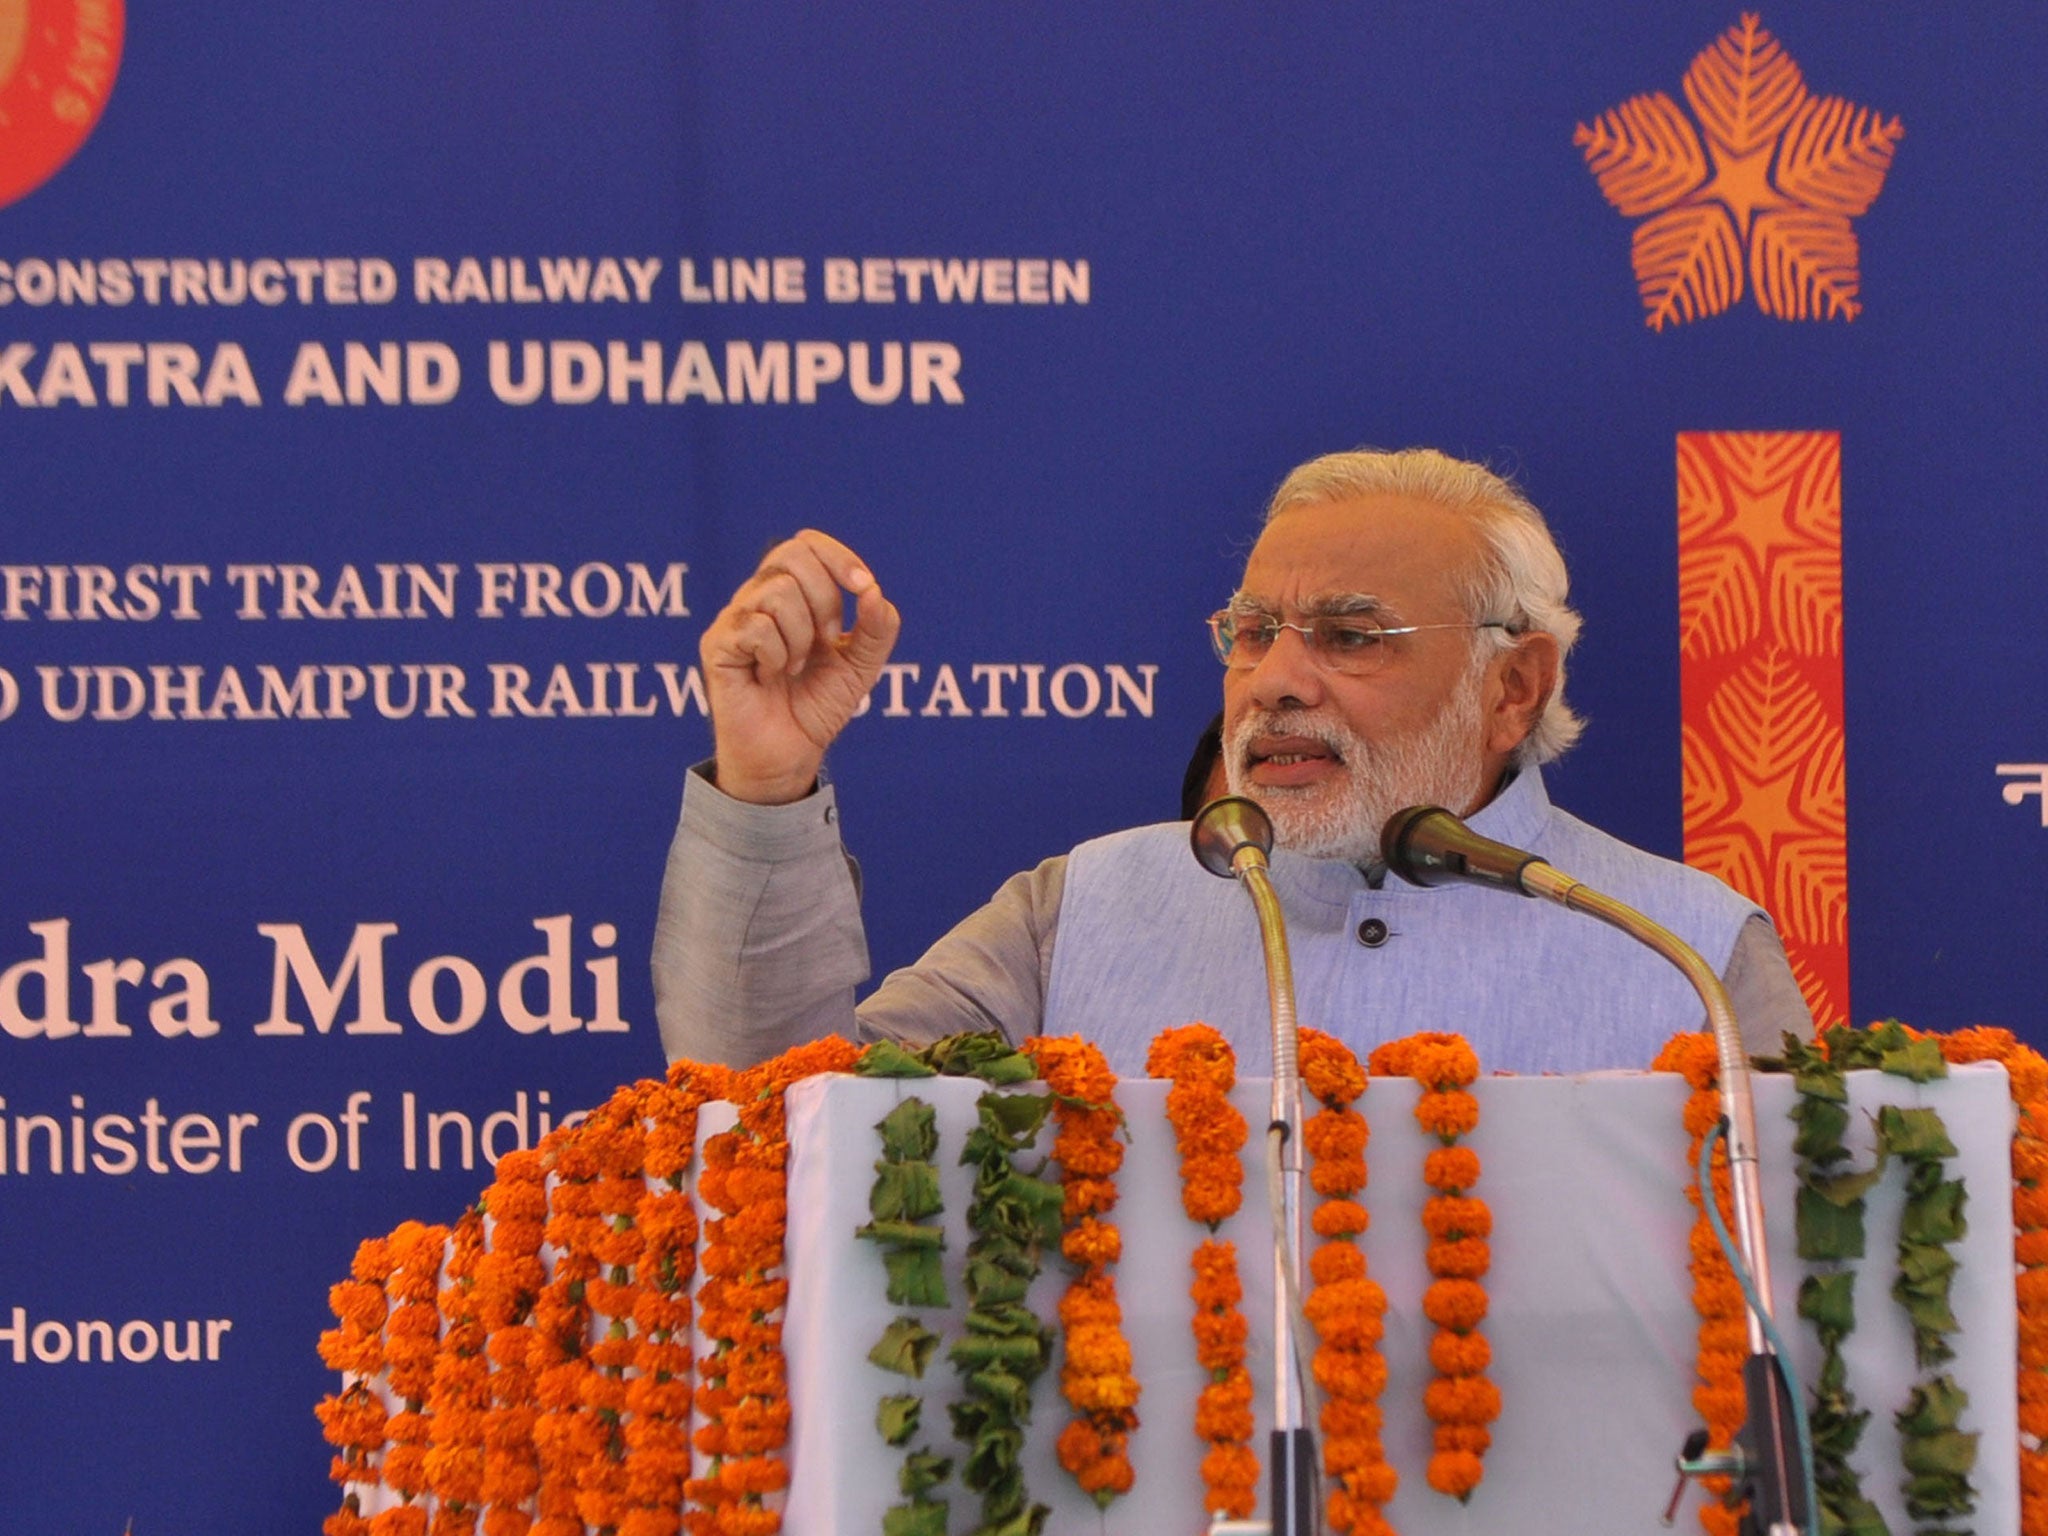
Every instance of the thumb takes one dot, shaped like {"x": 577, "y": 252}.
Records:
{"x": 875, "y": 626}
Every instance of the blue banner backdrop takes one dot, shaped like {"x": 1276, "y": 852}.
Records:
{"x": 390, "y": 394}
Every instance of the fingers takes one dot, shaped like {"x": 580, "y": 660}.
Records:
{"x": 798, "y": 587}
{"x": 789, "y": 613}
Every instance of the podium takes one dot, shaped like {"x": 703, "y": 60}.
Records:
{"x": 1591, "y": 1317}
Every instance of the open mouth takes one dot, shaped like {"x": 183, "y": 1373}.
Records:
{"x": 1282, "y": 761}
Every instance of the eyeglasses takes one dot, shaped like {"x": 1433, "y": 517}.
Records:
{"x": 1342, "y": 643}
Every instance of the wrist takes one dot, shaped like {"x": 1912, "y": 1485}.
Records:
{"x": 762, "y": 789}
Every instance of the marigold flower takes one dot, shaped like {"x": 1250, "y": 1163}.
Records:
{"x": 1447, "y": 1217}
{"x": 1345, "y": 1176}
{"x": 1329, "y": 1069}
{"x": 1459, "y": 1354}
{"x": 1339, "y": 1218}
{"x": 1220, "y": 1338}
{"x": 1461, "y": 1400}
{"x": 1463, "y": 1259}
{"x": 1459, "y": 1305}
{"x": 2030, "y": 1206}
{"x": 1336, "y": 1134}
{"x": 1375, "y": 1483}
{"x": 1692, "y": 1055}
{"x": 1092, "y": 1243}
{"x": 1447, "y": 1115}
{"x": 1223, "y": 1410}
{"x": 1475, "y": 1438}
{"x": 1355, "y": 1379}
{"x": 1230, "y": 1473}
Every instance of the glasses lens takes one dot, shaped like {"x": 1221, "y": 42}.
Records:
{"x": 1349, "y": 645}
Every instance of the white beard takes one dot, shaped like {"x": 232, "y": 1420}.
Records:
{"x": 1437, "y": 765}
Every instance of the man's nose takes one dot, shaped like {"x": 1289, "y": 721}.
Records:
{"x": 1287, "y": 675}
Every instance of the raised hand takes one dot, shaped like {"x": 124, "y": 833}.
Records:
{"x": 783, "y": 675}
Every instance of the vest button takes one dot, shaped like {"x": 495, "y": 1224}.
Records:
{"x": 1372, "y": 933}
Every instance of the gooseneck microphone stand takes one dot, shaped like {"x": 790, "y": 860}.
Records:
{"x": 1427, "y": 845}
{"x": 1232, "y": 838}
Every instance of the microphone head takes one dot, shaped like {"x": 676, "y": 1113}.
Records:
{"x": 1427, "y": 845}
{"x": 1397, "y": 842}
{"x": 1224, "y": 826}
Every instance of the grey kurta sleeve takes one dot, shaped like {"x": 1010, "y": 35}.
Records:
{"x": 1766, "y": 995}
{"x": 758, "y": 943}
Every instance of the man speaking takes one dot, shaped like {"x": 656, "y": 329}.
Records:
{"x": 1399, "y": 638}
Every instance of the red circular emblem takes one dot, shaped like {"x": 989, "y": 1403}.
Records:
{"x": 58, "y": 59}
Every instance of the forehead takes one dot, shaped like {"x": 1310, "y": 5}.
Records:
{"x": 1411, "y": 555}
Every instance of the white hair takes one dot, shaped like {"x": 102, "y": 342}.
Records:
{"x": 1519, "y": 580}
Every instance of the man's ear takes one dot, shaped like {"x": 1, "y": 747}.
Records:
{"x": 1524, "y": 679}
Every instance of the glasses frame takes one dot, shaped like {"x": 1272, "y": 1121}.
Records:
{"x": 1224, "y": 648}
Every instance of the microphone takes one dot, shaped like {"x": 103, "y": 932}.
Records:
{"x": 1225, "y": 828}
{"x": 1232, "y": 837}
{"x": 1427, "y": 845}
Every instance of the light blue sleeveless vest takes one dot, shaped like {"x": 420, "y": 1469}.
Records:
{"x": 1148, "y": 939}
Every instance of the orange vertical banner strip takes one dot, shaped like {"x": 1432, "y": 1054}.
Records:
{"x": 1760, "y": 648}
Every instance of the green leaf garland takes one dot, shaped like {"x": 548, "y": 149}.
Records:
{"x": 1937, "y": 1455}
{"x": 905, "y": 1205}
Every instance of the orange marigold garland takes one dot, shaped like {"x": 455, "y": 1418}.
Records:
{"x": 2027, "y": 1072}
{"x": 1716, "y": 1294}
{"x": 1210, "y": 1133}
{"x": 1346, "y": 1306}
{"x": 657, "y": 1435}
{"x": 1460, "y": 1401}
{"x": 510, "y": 1275}
{"x": 353, "y": 1419}
{"x": 413, "y": 1340}
{"x": 461, "y": 1391}
{"x": 617, "y": 1141}
{"x": 566, "y": 1439}
{"x": 1096, "y": 1378}
{"x": 746, "y": 1385}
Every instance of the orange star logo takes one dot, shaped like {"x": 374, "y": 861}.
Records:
{"x": 1766, "y": 199}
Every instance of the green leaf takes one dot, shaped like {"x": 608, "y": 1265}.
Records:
{"x": 1926, "y": 1269}
{"x": 909, "y": 1132}
{"x": 902, "y": 1234}
{"x": 896, "y": 1418}
{"x": 905, "y": 1192}
{"x": 1851, "y": 1049}
{"x": 1829, "y": 1302}
{"x": 905, "y": 1347}
{"x": 1938, "y": 1496}
{"x": 920, "y": 1517}
{"x": 1014, "y": 1117}
{"x": 1814, "y": 1076}
{"x": 993, "y": 1447}
{"x": 1921, "y": 1060}
{"x": 1827, "y": 1231}
{"x": 1852, "y": 1515}
{"x": 1039, "y": 1203}
{"x": 885, "y": 1058}
{"x": 1848, "y": 1186}
{"x": 1821, "y": 1122}
{"x": 978, "y": 1350}
{"x": 1951, "y": 1451}
{"x": 984, "y": 1054}
{"x": 916, "y": 1278}
{"x": 1935, "y": 1216}
{"x": 1009, "y": 1392}
{"x": 923, "y": 1470}
{"x": 1913, "y": 1133}
{"x": 994, "y": 1278}
{"x": 1933, "y": 1406}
